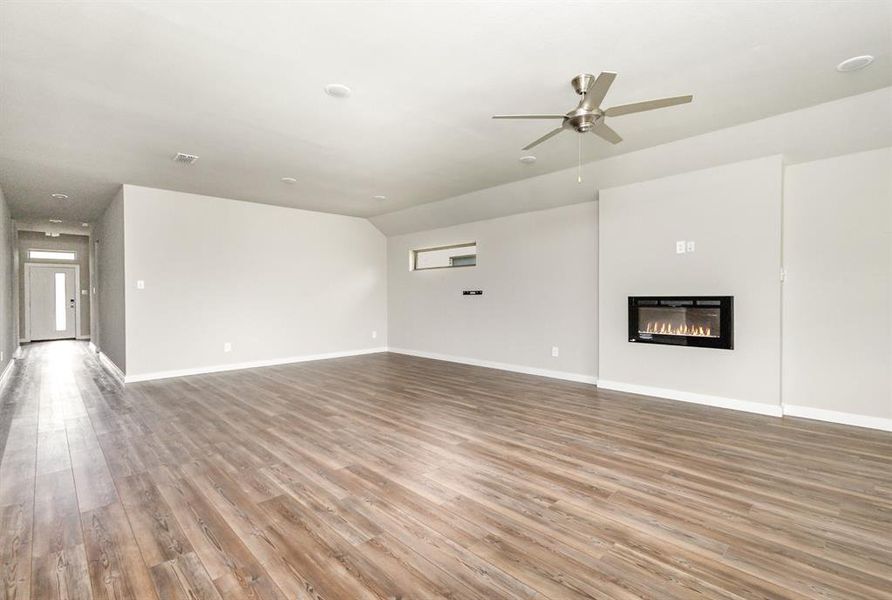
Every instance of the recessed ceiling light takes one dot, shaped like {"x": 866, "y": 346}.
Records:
{"x": 379, "y": 197}
{"x": 289, "y": 180}
{"x": 528, "y": 160}
{"x": 855, "y": 63}
{"x": 55, "y": 220}
{"x": 338, "y": 90}
{"x": 85, "y": 224}
{"x": 60, "y": 196}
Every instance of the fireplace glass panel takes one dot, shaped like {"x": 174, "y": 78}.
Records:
{"x": 680, "y": 321}
{"x": 704, "y": 321}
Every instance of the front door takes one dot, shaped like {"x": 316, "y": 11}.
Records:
{"x": 52, "y": 302}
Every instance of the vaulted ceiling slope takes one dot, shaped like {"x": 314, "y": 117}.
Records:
{"x": 98, "y": 94}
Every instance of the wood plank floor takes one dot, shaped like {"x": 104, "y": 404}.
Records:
{"x": 386, "y": 476}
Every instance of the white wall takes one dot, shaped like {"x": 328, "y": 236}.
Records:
{"x": 538, "y": 273}
{"x": 837, "y": 353}
{"x": 733, "y": 214}
{"x": 109, "y": 331}
{"x": 8, "y": 335}
{"x": 277, "y": 283}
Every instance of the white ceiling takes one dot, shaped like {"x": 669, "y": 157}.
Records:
{"x": 93, "y": 95}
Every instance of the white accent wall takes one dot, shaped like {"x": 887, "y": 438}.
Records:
{"x": 837, "y": 356}
{"x": 278, "y": 284}
{"x": 109, "y": 333}
{"x": 8, "y": 335}
{"x": 538, "y": 273}
{"x": 733, "y": 214}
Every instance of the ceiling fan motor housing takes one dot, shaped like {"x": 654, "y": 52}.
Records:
{"x": 582, "y": 120}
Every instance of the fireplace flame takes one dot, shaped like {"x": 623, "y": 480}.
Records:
{"x": 665, "y": 328}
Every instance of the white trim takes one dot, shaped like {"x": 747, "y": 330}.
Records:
{"x": 24, "y": 340}
{"x": 111, "y": 367}
{"x": 248, "y": 365}
{"x": 83, "y": 337}
{"x": 93, "y": 347}
{"x": 77, "y": 296}
{"x": 18, "y": 352}
{"x": 7, "y": 371}
{"x": 773, "y": 410}
{"x": 565, "y": 375}
{"x": 833, "y": 416}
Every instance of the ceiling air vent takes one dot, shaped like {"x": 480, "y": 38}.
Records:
{"x": 188, "y": 159}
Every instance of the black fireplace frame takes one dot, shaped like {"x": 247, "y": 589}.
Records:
{"x": 726, "y": 320}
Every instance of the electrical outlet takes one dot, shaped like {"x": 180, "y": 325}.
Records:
{"x": 140, "y": 284}
{"x": 374, "y": 335}
{"x": 555, "y": 351}
{"x": 227, "y": 347}
{"x": 680, "y": 247}
{"x": 690, "y": 247}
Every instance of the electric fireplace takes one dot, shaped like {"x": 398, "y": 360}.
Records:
{"x": 704, "y": 321}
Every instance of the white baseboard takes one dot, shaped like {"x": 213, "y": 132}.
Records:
{"x": 565, "y": 375}
{"x": 833, "y": 416}
{"x": 24, "y": 340}
{"x": 93, "y": 347}
{"x": 83, "y": 337}
{"x": 773, "y": 410}
{"x": 111, "y": 367}
{"x": 18, "y": 352}
{"x": 7, "y": 371}
{"x": 247, "y": 365}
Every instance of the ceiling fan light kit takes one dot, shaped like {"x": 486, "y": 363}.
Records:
{"x": 588, "y": 116}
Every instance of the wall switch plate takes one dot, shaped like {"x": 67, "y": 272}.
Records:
{"x": 140, "y": 284}
{"x": 680, "y": 247}
{"x": 227, "y": 347}
{"x": 83, "y": 292}
{"x": 690, "y": 247}
{"x": 374, "y": 335}
{"x": 1, "y": 356}
{"x": 555, "y": 351}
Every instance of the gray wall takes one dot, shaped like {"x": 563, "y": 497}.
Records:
{"x": 40, "y": 241}
{"x": 276, "y": 283}
{"x": 733, "y": 214}
{"x": 8, "y": 341}
{"x": 109, "y": 233}
{"x": 838, "y": 292}
{"x": 538, "y": 273}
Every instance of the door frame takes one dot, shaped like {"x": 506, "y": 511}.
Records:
{"x": 77, "y": 295}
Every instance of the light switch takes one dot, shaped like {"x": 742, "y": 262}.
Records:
{"x": 690, "y": 247}
{"x": 140, "y": 284}
{"x": 83, "y": 292}
{"x": 680, "y": 247}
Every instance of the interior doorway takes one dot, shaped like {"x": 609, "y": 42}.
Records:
{"x": 51, "y": 301}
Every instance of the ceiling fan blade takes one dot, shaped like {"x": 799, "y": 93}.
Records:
{"x": 595, "y": 94}
{"x": 529, "y": 116}
{"x": 602, "y": 130}
{"x": 626, "y": 109}
{"x": 547, "y": 136}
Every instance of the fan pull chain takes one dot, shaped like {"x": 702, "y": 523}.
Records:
{"x": 579, "y": 168}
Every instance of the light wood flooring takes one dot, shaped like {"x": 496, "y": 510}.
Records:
{"x": 386, "y": 476}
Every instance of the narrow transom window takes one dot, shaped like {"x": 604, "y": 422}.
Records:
{"x": 444, "y": 257}
{"x": 52, "y": 255}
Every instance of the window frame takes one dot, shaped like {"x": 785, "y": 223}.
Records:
{"x": 413, "y": 256}
{"x": 73, "y": 259}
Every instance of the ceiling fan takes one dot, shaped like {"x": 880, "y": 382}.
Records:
{"x": 588, "y": 114}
